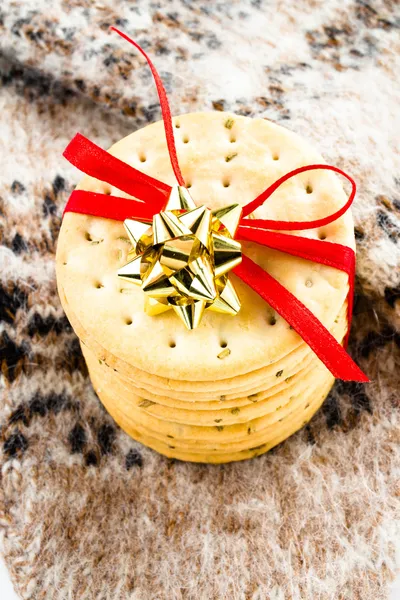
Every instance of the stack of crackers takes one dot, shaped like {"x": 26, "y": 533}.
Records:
{"x": 235, "y": 386}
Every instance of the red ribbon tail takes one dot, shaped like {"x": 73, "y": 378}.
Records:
{"x": 96, "y": 162}
{"x": 323, "y": 252}
{"x": 318, "y": 338}
{"x": 111, "y": 207}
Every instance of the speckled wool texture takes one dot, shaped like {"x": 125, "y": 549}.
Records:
{"x": 87, "y": 513}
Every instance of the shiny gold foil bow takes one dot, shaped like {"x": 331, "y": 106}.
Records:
{"x": 182, "y": 260}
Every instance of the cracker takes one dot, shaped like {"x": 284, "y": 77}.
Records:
{"x": 296, "y": 422}
{"x": 248, "y": 384}
{"x": 280, "y": 373}
{"x": 117, "y": 321}
{"x": 218, "y": 433}
{"x": 238, "y": 410}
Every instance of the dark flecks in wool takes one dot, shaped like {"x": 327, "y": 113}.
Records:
{"x": 71, "y": 357}
{"x": 11, "y": 356}
{"x": 58, "y": 402}
{"x": 362, "y": 303}
{"x": 388, "y": 226}
{"x": 91, "y": 459}
{"x": 162, "y": 49}
{"x": 77, "y": 439}
{"x": 43, "y": 325}
{"x": 40, "y": 406}
{"x": 310, "y": 436}
{"x": 213, "y": 42}
{"x": 80, "y": 84}
{"x": 329, "y": 42}
{"x": 15, "y": 444}
{"x": 17, "y": 187}
{"x": 133, "y": 459}
{"x": 359, "y": 233}
{"x": 58, "y": 184}
{"x": 378, "y": 339}
{"x": 12, "y": 299}
{"x": 18, "y": 244}
{"x": 110, "y": 60}
{"x": 392, "y": 295}
{"x": 18, "y": 25}
{"x": 218, "y": 105}
{"x": 121, "y": 22}
{"x": 21, "y": 414}
{"x": 49, "y": 206}
{"x": 106, "y": 437}
{"x": 385, "y": 201}
{"x": 150, "y": 112}
{"x": 32, "y": 83}
{"x": 357, "y": 394}
{"x": 366, "y": 13}
{"x": 331, "y": 410}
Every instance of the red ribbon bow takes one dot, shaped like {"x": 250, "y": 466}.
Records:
{"x": 151, "y": 196}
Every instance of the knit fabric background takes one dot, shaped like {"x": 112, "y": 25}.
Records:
{"x": 86, "y": 512}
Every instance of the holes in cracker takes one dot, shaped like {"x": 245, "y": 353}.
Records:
{"x": 322, "y": 235}
{"x": 172, "y": 344}
{"x": 226, "y": 182}
{"x": 275, "y": 156}
{"x": 189, "y": 185}
{"x": 105, "y": 189}
{"x": 232, "y": 139}
{"x": 128, "y": 321}
{"x": 309, "y": 189}
{"x": 93, "y": 239}
{"x": 185, "y": 139}
{"x": 223, "y": 343}
{"x": 142, "y": 157}
{"x": 177, "y": 125}
{"x": 98, "y": 285}
{"x": 272, "y": 320}
{"x": 309, "y": 283}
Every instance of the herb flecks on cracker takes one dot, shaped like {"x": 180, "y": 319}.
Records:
{"x": 146, "y": 403}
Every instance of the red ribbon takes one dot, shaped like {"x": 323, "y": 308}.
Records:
{"x": 151, "y": 196}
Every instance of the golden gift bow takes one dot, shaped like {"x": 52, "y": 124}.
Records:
{"x": 182, "y": 260}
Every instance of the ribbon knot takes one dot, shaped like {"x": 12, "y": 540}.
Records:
{"x": 182, "y": 260}
{"x": 177, "y": 266}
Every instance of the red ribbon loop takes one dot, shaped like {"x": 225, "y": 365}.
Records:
{"x": 298, "y": 225}
{"x": 94, "y": 161}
